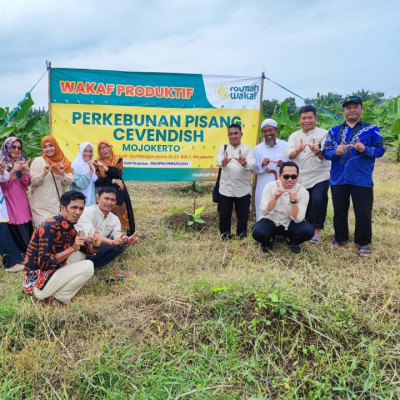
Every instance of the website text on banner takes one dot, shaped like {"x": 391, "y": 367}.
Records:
{"x": 165, "y": 126}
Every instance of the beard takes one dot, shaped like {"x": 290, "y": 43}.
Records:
{"x": 270, "y": 142}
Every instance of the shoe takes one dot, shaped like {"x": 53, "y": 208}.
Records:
{"x": 295, "y": 248}
{"x": 268, "y": 247}
{"x": 15, "y": 268}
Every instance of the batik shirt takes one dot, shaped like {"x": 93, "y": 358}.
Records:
{"x": 353, "y": 167}
{"x": 51, "y": 237}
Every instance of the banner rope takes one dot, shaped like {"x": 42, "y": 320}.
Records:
{"x": 26, "y": 96}
{"x": 305, "y": 100}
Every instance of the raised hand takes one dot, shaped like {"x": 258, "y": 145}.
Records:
{"x": 265, "y": 161}
{"x": 61, "y": 167}
{"x": 3, "y": 165}
{"x": 91, "y": 167}
{"x": 79, "y": 241}
{"x": 133, "y": 239}
{"x": 314, "y": 147}
{"x": 119, "y": 241}
{"x": 226, "y": 159}
{"x": 242, "y": 159}
{"x": 96, "y": 238}
{"x": 278, "y": 191}
{"x": 293, "y": 195}
{"x": 25, "y": 167}
{"x": 341, "y": 148}
{"x": 358, "y": 146}
{"x": 300, "y": 147}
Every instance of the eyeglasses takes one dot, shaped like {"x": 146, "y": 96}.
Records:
{"x": 104, "y": 147}
{"x": 13, "y": 147}
{"x": 287, "y": 176}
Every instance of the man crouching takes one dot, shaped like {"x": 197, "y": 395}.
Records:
{"x": 283, "y": 208}
{"x": 47, "y": 274}
{"x": 99, "y": 217}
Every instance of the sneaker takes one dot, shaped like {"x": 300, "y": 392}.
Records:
{"x": 295, "y": 248}
{"x": 15, "y": 268}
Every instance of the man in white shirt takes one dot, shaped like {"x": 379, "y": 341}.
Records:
{"x": 269, "y": 154}
{"x": 108, "y": 225}
{"x": 236, "y": 164}
{"x": 283, "y": 208}
{"x": 305, "y": 148}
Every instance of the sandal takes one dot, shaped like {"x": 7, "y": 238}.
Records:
{"x": 15, "y": 268}
{"x": 364, "y": 251}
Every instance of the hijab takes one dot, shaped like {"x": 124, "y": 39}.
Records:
{"x": 82, "y": 167}
{"x": 58, "y": 156}
{"x": 6, "y": 153}
{"x": 111, "y": 161}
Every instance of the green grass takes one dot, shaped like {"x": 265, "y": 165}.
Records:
{"x": 203, "y": 319}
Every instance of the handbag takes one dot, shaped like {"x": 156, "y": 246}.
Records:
{"x": 215, "y": 195}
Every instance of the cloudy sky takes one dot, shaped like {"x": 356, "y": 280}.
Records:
{"x": 309, "y": 46}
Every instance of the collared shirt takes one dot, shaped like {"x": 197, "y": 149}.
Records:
{"x": 93, "y": 217}
{"x": 353, "y": 167}
{"x": 235, "y": 178}
{"x": 276, "y": 153}
{"x": 313, "y": 170}
{"x": 281, "y": 214}
{"x": 51, "y": 237}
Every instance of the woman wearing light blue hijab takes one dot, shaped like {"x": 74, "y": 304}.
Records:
{"x": 84, "y": 173}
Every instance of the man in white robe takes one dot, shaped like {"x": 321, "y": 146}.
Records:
{"x": 270, "y": 154}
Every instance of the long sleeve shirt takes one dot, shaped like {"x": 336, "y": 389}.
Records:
{"x": 235, "y": 178}
{"x": 93, "y": 217}
{"x": 353, "y": 167}
{"x": 313, "y": 170}
{"x": 53, "y": 236}
{"x": 276, "y": 153}
{"x": 281, "y": 214}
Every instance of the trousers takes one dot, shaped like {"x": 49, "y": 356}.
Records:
{"x": 66, "y": 281}
{"x": 362, "y": 198}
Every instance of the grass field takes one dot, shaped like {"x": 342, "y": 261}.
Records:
{"x": 198, "y": 318}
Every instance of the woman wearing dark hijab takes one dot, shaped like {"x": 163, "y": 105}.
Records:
{"x": 109, "y": 169}
{"x": 14, "y": 190}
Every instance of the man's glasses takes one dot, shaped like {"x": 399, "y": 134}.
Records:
{"x": 287, "y": 176}
{"x": 16, "y": 147}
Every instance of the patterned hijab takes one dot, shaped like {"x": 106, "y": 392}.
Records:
{"x": 58, "y": 156}
{"x": 6, "y": 153}
{"x": 111, "y": 161}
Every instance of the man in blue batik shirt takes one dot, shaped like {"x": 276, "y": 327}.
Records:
{"x": 352, "y": 148}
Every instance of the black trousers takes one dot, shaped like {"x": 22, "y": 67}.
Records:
{"x": 225, "y": 208}
{"x": 362, "y": 198}
{"x": 298, "y": 233}
{"x": 318, "y": 204}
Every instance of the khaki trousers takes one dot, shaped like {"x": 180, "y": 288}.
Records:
{"x": 66, "y": 281}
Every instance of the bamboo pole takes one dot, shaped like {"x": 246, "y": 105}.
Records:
{"x": 49, "y": 93}
{"x": 253, "y": 190}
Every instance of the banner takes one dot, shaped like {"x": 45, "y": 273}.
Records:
{"x": 165, "y": 126}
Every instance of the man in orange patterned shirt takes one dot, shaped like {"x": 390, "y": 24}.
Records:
{"x": 48, "y": 275}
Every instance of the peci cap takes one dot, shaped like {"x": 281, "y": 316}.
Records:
{"x": 352, "y": 99}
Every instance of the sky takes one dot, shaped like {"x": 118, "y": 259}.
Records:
{"x": 308, "y": 46}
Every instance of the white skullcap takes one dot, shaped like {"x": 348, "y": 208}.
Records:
{"x": 269, "y": 122}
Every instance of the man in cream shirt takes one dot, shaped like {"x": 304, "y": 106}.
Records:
{"x": 236, "y": 164}
{"x": 283, "y": 208}
{"x": 108, "y": 226}
{"x": 305, "y": 148}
